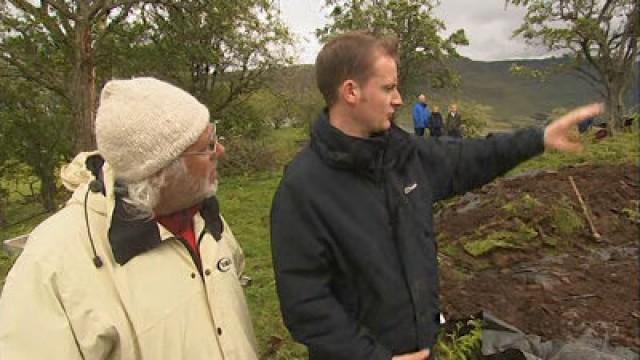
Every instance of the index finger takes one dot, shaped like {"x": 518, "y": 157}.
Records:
{"x": 582, "y": 113}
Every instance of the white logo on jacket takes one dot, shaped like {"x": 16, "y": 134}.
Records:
{"x": 410, "y": 188}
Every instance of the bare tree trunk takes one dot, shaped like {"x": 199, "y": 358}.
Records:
{"x": 3, "y": 217}
{"x": 620, "y": 107}
{"x": 47, "y": 189}
{"x": 83, "y": 89}
{"x": 615, "y": 104}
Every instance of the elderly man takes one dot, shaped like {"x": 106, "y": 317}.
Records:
{"x": 139, "y": 264}
{"x": 353, "y": 241}
{"x": 421, "y": 115}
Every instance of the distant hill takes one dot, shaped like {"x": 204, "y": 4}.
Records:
{"x": 514, "y": 99}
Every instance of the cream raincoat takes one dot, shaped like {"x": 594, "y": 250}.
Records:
{"x": 148, "y": 300}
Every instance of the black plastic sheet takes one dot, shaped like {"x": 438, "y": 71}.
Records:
{"x": 502, "y": 341}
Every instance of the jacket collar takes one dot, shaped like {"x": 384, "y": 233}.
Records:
{"x": 385, "y": 150}
{"x": 131, "y": 237}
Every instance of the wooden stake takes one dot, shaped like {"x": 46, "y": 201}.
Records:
{"x": 595, "y": 232}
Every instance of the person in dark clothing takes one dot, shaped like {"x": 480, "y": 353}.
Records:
{"x": 352, "y": 236}
{"x": 454, "y": 122}
{"x": 585, "y": 125}
{"x": 435, "y": 124}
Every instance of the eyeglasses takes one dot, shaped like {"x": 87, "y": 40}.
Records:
{"x": 212, "y": 147}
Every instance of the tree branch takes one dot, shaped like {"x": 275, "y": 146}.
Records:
{"x": 108, "y": 5}
{"x": 44, "y": 18}
{"x": 241, "y": 86}
{"x": 605, "y": 10}
{"x": 97, "y": 7}
{"x": 114, "y": 22}
{"x": 586, "y": 51}
{"x": 62, "y": 8}
{"x": 48, "y": 81}
{"x": 632, "y": 32}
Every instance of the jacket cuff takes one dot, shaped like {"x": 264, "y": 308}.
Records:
{"x": 541, "y": 134}
{"x": 535, "y": 137}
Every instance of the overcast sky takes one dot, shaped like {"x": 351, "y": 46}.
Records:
{"x": 487, "y": 24}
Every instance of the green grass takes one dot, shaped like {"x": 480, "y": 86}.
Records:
{"x": 565, "y": 220}
{"x": 620, "y": 149}
{"x": 453, "y": 346}
{"x": 21, "y": 215}
{"x": 287, "y": 139}
{"x": 246, "y": 201}
{"x": 481, "y": 243}
{"x": 23, "y": 211}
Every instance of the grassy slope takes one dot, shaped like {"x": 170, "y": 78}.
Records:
{"x": 623, "y": 148}
{"x": 246, "y": 201}
{"x": 514, "y": 99}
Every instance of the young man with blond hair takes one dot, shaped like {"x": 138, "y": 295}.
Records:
{"x": 353, "y": 241}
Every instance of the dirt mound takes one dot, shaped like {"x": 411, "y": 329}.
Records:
{"x": 522, "y": 248}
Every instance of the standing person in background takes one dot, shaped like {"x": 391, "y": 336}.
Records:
{"x": 139, "y": 264}
{"x": 436, "y": 123}
{"x": 454, "y": 122}
{"x": 421, "y": 115}
{"x": 352, "y": 236}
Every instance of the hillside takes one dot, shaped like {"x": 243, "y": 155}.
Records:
{"x": 514, "y": 98}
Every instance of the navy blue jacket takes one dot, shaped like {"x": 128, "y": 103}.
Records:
{"x": 353, "y": 243}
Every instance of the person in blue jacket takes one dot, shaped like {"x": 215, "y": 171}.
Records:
{"x": 421, "y": 115}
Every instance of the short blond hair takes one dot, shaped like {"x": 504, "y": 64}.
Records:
{"x": 350, "y": 56}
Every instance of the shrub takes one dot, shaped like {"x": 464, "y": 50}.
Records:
{"x": 463, "y": 343}
{"x": 245, "y": 155}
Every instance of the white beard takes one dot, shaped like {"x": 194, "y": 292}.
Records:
{"x": 198, "y": 190}
{"x": 188, "y": 192}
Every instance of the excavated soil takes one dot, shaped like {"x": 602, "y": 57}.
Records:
{"x": 548, "y": 275}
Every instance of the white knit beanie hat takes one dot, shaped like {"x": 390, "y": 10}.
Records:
{"x": 143, "y": 124}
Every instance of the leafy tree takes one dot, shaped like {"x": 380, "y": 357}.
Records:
{"x": 601, "y": 37}
{"x": 56, "y": 53}
{"x": 4, "y": 191}
{"x": 423, "y": 52}
{"x": 53, "y": 43}
{"x": 292, "y": 96}
{"x": 475, "y": 117}
{"x": 35, "y": 131}
{"x": 219, "y": 51}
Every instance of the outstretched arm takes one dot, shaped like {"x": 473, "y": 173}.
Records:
{"x": 556, "y": 134}
{"x": 459, "y": 166}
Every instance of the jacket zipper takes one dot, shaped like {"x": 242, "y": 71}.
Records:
{"x": 382, "y": 181}
{"x": 194, "y": 257}
{"x": 211, "y": 317}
